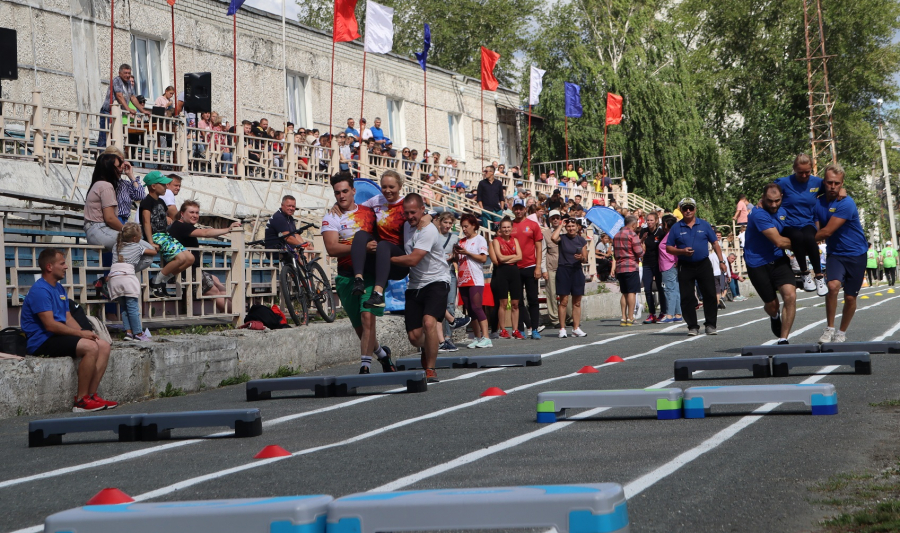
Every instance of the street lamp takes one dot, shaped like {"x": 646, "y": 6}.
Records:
{"x": 887, "y": 177}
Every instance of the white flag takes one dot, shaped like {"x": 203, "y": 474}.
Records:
{"x": 379, "y": 28}
{"x": 537, "y": 85}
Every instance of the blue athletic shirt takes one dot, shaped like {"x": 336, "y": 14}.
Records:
{"x": 683, "y": 236}
{"x": 758, "y": 249}
{"x": 799, "y": 201}
{"x": 42, "y": 297}
{"x": 849, "y": 239}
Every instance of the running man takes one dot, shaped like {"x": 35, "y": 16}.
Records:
{"x": 338, "y": 232}
{"x": 769, "y": 269}
{"x": 838, "y": 219}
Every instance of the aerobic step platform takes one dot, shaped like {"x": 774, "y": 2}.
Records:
{"x": 245, "y": 422}
{"x": 413, "y": 380}
{"x": 414, "y": 363}
{"x": 871, "y": 347}
{"x": 775, "y": 349}
{"x": 292, "y": 514}
{"x": 758, "y": 364}
{"x": 50, "y": 432}
{"x": 487, "y": 361}
{"x": 590, "y": 508}
{"x": 860, "y": 361}
{"x": 262, "y": 389}
{"x": 551, "y": 405}
{"x": 820, "y": 396}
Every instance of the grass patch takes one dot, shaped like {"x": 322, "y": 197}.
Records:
{"x": 864, "y": 502}
{"x": 235, "y": 380}
{"x": 194, "y": 330}
{"x": 283, "y": 371}
{"x": 170, "y": 391}
{"x": 886, "y": 403}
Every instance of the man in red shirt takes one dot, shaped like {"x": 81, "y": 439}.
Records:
{"x": 628, "y": 250}
{"x": 529, "y": 235}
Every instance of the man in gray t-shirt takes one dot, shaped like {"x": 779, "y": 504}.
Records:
{"x": 429, "y": 282}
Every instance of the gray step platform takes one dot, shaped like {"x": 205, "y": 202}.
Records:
{"x": 775, "y": 349}
{"x": 667, "y": 402}
{"x": 758, "y": 364}
{"x": 262, "y": 389}
{"x": 414, "y": 381}
{"x": 871, "y": 347}
{"x": 588, "y": 508}
{"x": 860, "y": 361}
{"x": 245, "y": 422}
{"x": 413, "y": 363}
{"x": 50, "y": 432}
{"x": 306, "y": 514}
{"x": 820, "y": 396}
{"x": 486, "y": 361}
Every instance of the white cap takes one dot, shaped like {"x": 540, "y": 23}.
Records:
{"x": 555, "y": 213}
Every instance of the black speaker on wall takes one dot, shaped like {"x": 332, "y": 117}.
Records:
{"x": 197, "y": 92}
{"x": 8, "y": 68}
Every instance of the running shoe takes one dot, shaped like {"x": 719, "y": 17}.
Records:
{"x": 693, "y": 332}
{"x": 827, "y": 336}
{"x": 431, "y": 376}
{"x": 474, "y": 344}
{"x": 108, "y": 403}
{"x": 158, "y": 290}
{"x": 562, "y": 334}
{"x": 578, "y": 333}
{"x": 839, "y": 336}
{"x": 460, "y": 322}
{"x": 660, "y": 316}
{"x": 364, "y": 370}
{"x": 721, "y": 304}
{"x": 527, "y": 332}
{"x": 359, "y": 287}
{"x": 535, "y": 335}
{"x": 665, "y": 321}
{"x": 711, "y": 330}
{"x": 808, "y": 284}
{"x": 485, "y": 343}
{"x": 386, "y": 364}
{"x": 376, "y": 300}
{"x": 87, "y": 404}
{"x": 678, "y": 319}
{"x": 651, "y": 319}
{"x": 821, "y": 288}
{"x": 516, "y": 334}
{"x": 129, "y": 337}
{"x": 495, "y": 335}
{"x": 447, "y": 346}
{"x": 782, "y": 342}
{"x": 504, "y": 334}
{"x": 775, "y": 324}
{"x": 541, "y": 329}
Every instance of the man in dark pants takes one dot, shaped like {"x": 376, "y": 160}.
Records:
{"x": 529, "y": 235}
{"x": 689, "y": 240}
{"x": 489, "y": 196}
{"x": 650, "y": 238}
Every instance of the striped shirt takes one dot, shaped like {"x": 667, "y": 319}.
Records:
{"x": 628, "y": 250}
{"x": 129, "y": 191}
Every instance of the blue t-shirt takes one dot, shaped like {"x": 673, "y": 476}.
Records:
{"x": 799, "y": 200}
{"x": 699, "y": 237}
{"x": 353, "y": 131}
{"x": 849, "y": 239}
{"x": 377, "y": 133}
{"x": 758, "y": 249}
{"x": 42, "y": 297}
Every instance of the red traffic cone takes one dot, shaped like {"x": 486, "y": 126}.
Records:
{"x": 588, "y": 369}
{"x": 273, "y": 450}
{"x": 493, "y": 391}
{"x": 110, "y": 496}
{"x": 614, "y": 359}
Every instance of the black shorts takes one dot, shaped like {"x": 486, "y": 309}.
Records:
{"x": 430, "y": 300}
{"x": 769, "y": 278}
{"x": 506, "y": 283}
{"x": 629, "y": 282}
{"x": 849, "y": 270}
{"x": 58, "y": 346}
{"x": 570, "y": 280}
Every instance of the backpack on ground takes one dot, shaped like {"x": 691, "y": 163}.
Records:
{"x": 264, "y": 314}
{"x": 13, "y": 341}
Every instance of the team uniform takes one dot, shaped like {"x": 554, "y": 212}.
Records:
{"x": 872, "y": 266}
{"x": 695, "y": 269}
{"x": 799, "y": 204}
{"x": 888, "y": 256}
{"x": 847, "y": 247}
{"x": 529, "y": 235}
{"x": 347, "y": 225}
{"x": 767, "y": 265}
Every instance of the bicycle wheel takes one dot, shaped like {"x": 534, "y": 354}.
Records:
{"x": 293, "y": 296}
{"x": 323, "y": 296}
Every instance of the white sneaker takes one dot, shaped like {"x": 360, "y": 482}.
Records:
{"x": 821, "y": 288}
{"x": 578, "y": 333}
{"x": 485, "y": 343}
{"x": 638, "y": 309}
{"x": 528, "y": 332}
{"x": 839, "y": 336}
{"x": 827, "y": 336}
{"x": 808, "y": 284}
{"x": 473, "y": 345}
{"x": 541, "y": 328}
{"x": 562, "y": 334}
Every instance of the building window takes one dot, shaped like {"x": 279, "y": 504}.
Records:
{"x": 298, "y": 104}
{"x": 396, "y": 129}
{"x": 148, "y": 79}
{"x": 456, "y": 138}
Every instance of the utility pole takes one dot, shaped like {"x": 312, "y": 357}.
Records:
{"x": 887, "y": 177}
{"x": 821, "y": 124}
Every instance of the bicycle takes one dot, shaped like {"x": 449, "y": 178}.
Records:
{"x": 303, "y": 282}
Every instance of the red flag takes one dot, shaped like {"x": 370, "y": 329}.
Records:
{"x": 170, "y": 2}
{"x": 345, "y": 25}
{"x": 489, "y": 60}
{"x": 613, "y": 109}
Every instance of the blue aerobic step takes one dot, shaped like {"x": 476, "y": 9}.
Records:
{"x": 821, "y": 397}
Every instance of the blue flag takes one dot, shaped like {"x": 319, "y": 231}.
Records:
{"x": 423, "y": 57}
{"x": 234, "y": 6}
{"x": 573, "y": 100}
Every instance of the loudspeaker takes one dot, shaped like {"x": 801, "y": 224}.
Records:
{"x": 8, "y": 68}
{"x": 197, "y": 92}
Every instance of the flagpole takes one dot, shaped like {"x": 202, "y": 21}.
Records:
{"x": 331, "y": 98}
{"x": 112, "y": 34}
{"x": 530, "y": 111}
{"x": 567, "y": 142}
{"x": 603, "y": 174}
{"x": 425, "y": 92}
{"x": 362, "y": 99}
{"x": 482, "y": 127}
{"x": 174, "y": 70}
{"x": 234, "y": 45}
{"x": 287, "y": 113}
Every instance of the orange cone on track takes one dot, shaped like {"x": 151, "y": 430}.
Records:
{"x": 110, "y": 496}
{"x": 271, "y": 451}
{"x": 493, "y": 391}
{"x": 588, "y": 369}
{"x": 614, "y": 359}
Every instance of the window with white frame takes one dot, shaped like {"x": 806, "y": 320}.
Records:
{"x": 396, "y": 128}
{"x": 146, "y": 67}
{"x": 298, "y": 101}
{"x": 456, "y": 138}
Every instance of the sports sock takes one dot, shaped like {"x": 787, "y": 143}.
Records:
{"x": 162, "y": 278}
{"x": 366, "y": 360}
{"x": 782, "y": 339}
{"x": 379, "y": 351}
{"x": 777, "y": 317}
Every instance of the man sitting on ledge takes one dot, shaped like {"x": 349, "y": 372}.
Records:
{"x": 52, "y": 332}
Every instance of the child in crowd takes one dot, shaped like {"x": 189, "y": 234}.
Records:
{"x": 154, "y": 223}
{"x": 124, "y": 285}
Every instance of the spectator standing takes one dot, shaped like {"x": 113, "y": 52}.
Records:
{"x": 351, "y": 129}
{"x": 628, "y": 252}
{"x": 154, "y": 224}
{"x": 129, "y": 190}
{"x": 569, "y": 174}
{"x": 448, "y": 240}
{"x": 124, "y": 95}
{"x": 124, "y": 285}
{"x": 165, "y": 100}
{"x": 742, "y": 210}
{"x": 529, "y": 235}
{"x": 489, "y": 196}
{"x": 471, "y": 252}
{"x": 651, "y": 236}
{"x": 551, "y": 179}
{"x": 377, "y": 132}
{"x": 506, "y": 286}
{"x": 550, "y": 268}
{"x": 669, "y": 274}
{"x": 888, "y": 259}
{"x": 570, "y": 276}
{"x": 689, "y": 240}
{"x": 736, "y": 278}
{"x": 52, "y": 332}
{"x": 872, "y": 265}
{"x": 555, "y": 201}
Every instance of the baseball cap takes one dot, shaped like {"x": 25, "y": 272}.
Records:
{"x": 555, "y": 213}
{"x": 553, "y": 172}
{"x": 596, "y": 201}
{"x": 519, "y": 203}
{"x": 687, "y": 201}
{"x": 460, "y": 184}
{"x": 156, "y": 177}
{"x": 519, "y": 183}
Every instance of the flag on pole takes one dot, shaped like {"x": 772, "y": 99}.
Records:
{"x": 232, "y": 8}
{"x": 537, "y": 85}
{"x": 573, "y": 100}
{"x": 613, "y": 109}
{"x": 345, "y": 25}
{"x": 489, "y": 60}
{"x": 379, "y": 28}
{"x": 423, "y": 57}
{"x": 172, "y": 3}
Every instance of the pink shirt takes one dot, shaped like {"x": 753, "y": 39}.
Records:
{"x": 666, "y": 260}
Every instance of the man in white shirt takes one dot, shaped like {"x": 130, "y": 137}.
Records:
{"x": 364, "y": 130}
{"x": 172, "y": 190}
{"x": 429, "y": 282}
